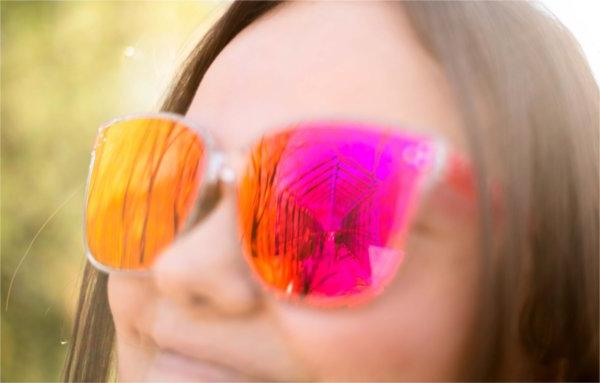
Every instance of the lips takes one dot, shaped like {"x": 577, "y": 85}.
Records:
{"x": 170, "y": 365}
{"x": 181, "y": 358}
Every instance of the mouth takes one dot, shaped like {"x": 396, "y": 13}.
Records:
{"x": 171, "y": 365}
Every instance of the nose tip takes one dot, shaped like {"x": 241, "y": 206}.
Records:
{"x": 204, "y": 269}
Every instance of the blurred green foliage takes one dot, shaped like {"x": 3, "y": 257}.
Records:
{"x": 66, "y": 68}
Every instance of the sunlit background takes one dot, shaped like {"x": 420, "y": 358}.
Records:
{"x": 66, "y": 68}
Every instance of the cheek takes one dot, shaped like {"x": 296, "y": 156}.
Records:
{"x": 417, "y": 329}
{"x": 129, "y": 298}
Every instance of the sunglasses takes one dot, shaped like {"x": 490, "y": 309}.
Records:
{"x": 324, "y": 207}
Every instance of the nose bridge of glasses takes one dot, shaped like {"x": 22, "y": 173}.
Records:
{"x": 222, "y": 170}
{"x": 226, "y": 166}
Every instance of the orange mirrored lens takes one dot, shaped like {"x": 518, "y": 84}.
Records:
{"x": 143, "y": 184}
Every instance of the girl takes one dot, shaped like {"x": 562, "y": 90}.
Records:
{"x": 470, "y": 130}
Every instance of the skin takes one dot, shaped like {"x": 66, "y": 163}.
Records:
{"x": 201, "y": 314}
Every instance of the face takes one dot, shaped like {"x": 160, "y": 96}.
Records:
{"x": 201, "y": 313}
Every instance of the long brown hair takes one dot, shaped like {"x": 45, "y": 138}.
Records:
{"x": 530, "y": 108}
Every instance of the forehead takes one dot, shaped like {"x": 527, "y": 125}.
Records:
{"x": 350, "y": 61}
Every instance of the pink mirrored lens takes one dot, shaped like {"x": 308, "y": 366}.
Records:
{"x": 325, "y": 209}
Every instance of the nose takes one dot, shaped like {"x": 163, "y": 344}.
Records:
{"x": 205, "y": 269}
